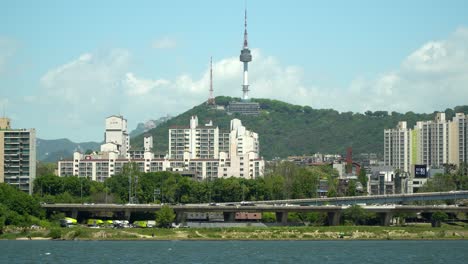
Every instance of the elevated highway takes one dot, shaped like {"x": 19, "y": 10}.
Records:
{"x": 374, "y": 199}
{"x": 334, "y": 212}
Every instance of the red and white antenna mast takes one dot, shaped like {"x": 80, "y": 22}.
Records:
{"x": 211, "y": 100}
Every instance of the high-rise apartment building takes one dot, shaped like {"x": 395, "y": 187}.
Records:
{"x": 17, "y": 156}
{"x": 194, "y": 141}
{"x": 431, "y": 142}
{"x": 458, "y": 139}
{"x": 397, "y": 147}
{"x": 116, "y": 136}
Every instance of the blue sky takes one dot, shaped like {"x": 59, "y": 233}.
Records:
{"x": 66, "y": 65}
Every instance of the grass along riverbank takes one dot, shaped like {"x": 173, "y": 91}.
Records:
{"x": 410, "y": 232}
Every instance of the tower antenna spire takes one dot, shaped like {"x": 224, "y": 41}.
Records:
{"x": 211, "y": 100}
{"x": 245, "y": 57}
{"x": 211, "y": 77}
{"x": 246, "y": 44}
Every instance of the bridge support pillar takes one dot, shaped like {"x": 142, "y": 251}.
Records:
{"x": 282, "y": 217}
{"x": 180, "y": 217}
{"x": 386, "y": 218}
{"x": 229, "y": 216}
{"x": 334, "y": 218}
{"x": 128, "y": 214}
{"x": 74, "y": 213}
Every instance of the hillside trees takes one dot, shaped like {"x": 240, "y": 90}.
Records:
{"x": 18, "y": 208}
{"x": 285, "y": 129}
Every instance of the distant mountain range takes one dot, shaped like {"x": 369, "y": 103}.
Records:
{"x": 284, "y": 129}
{"x": 56, "y": 149}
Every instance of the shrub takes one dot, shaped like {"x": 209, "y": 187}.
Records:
{"x": 55, "y": 233}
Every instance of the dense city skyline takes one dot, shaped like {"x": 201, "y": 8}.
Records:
{"x": 66, "y": 66}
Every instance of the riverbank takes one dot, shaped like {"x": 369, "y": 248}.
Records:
{"x": 410, "y": 232}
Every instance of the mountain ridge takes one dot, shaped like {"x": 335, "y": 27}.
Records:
{"x": 52, "y": 150}
{"x": 285, "y": 129}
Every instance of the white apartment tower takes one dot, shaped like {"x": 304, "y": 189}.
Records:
{"x": 116, "y": 137}
{"x": 194, "y": 141}
{"x": 397, "y": 147}
{"x": 17, "y": 156}
{"x": 148, "y": 143}
{"x": 242, "y": 141}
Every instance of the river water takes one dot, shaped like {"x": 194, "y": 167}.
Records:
{"x": 297, "y": 252}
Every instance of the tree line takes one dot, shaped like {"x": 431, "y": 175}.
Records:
{"x": 283, "y": 180}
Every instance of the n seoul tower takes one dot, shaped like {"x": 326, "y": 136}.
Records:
{"x": 245, "y": 57}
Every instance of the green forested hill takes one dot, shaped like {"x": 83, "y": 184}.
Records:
{"x": 285, "y": 129}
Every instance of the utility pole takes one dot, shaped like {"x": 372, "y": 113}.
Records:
{"x": 243, "y": 195}
{"x": 129, "y": 188}
{"x": 105, "y": 189}
{"x": 157, "y": 193}
{"x": 81, "y": 189}
{"x": 162, "y": 195}
{"x": 135, "y": 186}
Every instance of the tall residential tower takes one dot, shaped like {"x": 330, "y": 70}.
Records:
{"x": 17, "y": 156}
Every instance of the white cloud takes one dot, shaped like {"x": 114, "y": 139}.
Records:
{"x": 433, "y": 77}
{"x": 95, "y": 85}
{"x": 85, "y": 89}
{"x": 141, "y": 86}
{"x": 164, "y": 43}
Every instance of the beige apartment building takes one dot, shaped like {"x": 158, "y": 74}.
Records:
{"x": 458, "y": 135}
{"x": 17, "y": 156}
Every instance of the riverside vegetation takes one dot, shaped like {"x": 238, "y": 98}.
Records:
{"x": 415, "y": 232}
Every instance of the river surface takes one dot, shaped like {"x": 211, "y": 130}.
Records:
{"x": 447, "y": 252}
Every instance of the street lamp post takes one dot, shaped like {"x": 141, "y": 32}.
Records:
{"x": 81, "y": 189}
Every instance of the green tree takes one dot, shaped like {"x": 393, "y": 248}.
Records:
{"x": 45, "y": 168}
{"x": 439, "y": 183}
{"x": 17, "y": 207}
{"x": 165, "y": 216}
{"x": 351, "y": 191}
{"x": 356, "y": 214}
{"x": 437, "y": 218}
{"x": 2, "y": 224}
{"x": 362, "y": 177}
{"x": 268, "y": 217}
